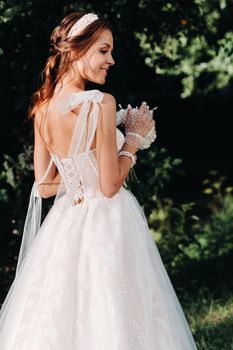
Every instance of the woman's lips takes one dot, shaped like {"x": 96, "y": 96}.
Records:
{"x": 105, "y": 71}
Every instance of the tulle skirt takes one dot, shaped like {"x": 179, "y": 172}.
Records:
{"x": 93, "y": 279}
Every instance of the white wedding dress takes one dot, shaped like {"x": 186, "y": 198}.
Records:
{"x": 92, "y": 277}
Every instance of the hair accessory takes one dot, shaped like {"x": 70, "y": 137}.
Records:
{"x": 130, "y": 155}
{"x": 82, "y": 23}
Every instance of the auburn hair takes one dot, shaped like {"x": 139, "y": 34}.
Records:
{"x": 62, "y": 50}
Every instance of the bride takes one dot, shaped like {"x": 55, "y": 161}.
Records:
{"x": 90, "y": 277}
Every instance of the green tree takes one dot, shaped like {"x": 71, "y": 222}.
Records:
{"x": 199, "y": 51}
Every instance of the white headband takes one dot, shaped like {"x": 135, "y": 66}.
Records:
{"x": 82, "y": 23}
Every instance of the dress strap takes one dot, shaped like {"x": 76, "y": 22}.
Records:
{"x": 33, "y": 218}
{"x": 82, "y": 138}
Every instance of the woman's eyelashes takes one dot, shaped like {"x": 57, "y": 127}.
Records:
{"x": 105, "y": 51}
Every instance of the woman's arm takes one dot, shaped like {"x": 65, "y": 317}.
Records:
{"x": 41, "y": 160}
{"x": 113, "y": 170}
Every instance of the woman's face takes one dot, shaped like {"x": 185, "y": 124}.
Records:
{"x": 94, "y": 65}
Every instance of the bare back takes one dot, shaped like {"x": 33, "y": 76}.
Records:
{"x": 57, "y": 129}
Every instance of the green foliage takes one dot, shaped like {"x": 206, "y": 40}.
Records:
{"x": 202, "y": 59}
{"x": 14, "y": 179}
{"x": 215, "y": 236}
{"x": 184, "y": 236}
{"x": 14, "y": 170}
{"x": 150, "y": 180}
{"x": 169, "y": 228}
{"x": 15, "y": 176}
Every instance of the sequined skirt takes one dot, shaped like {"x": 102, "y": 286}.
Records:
{"x": 94, "y": 280}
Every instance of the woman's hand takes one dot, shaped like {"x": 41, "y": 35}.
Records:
{"x": 139, "y": 123}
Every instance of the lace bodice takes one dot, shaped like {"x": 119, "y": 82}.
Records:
{"x": 69, "y": 170}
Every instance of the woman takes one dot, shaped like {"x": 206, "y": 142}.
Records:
{"x": 90, "y": 278}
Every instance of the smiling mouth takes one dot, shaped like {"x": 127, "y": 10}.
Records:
{"x": 104, "y": 70}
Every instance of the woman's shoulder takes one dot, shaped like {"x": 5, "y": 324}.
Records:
{"x": 40, "y": 114}
{"x": 108, "y": 99}
{"x": 105, "y": 97}
{"x": 108, "y": 107}
{"x": 71, "y": 99}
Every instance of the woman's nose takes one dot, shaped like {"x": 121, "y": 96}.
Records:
{"x": 111, "y": 60}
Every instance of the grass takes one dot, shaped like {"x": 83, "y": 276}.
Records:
{"x": 210, "y": 319}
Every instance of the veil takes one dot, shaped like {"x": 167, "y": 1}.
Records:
{"x": 82, "y": 137}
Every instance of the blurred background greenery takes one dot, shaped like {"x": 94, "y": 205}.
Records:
{"x": 177, "y": 55}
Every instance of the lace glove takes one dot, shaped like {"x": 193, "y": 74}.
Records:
{"x": 121, "y": 115}
{"x": 140, "y": 126}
